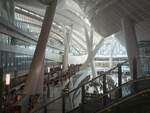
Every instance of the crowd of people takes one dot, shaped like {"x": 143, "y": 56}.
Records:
{"x": 14, "y": 96}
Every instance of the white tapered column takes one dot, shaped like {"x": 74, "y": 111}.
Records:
{"x": 93, "y": 53}
{"x": 40, "y": 86}
{"x": 66, "y": 49}
{"x": 128, "y": 28}
{"x": 89, "y": 43}
{"x": 39, "y": 54}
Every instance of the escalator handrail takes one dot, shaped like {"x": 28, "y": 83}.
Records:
{"x": 103, "y": 74}
{"x": 122, "y": 100}
{"x": 127, "y": 83}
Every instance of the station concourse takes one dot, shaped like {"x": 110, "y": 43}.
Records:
{"x": 74, "y": 56}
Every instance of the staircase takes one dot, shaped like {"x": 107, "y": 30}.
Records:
{"x": 118, "y": 100}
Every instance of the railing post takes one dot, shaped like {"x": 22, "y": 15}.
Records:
{"x": 83, "y": 98}
{"x": 45, "y": 109}
{"x": 134, "y": 74}
{"x": 63, "y": 102}
{"x": 48, "y": 88}
{"x": 61, "y": 76}
{"x": 104, "y": 89}
{"x": 134, "y": 63}
{"x": 120, "y": 80}
{"x": 1, "y": 89}
{"x": 83, "y": 94}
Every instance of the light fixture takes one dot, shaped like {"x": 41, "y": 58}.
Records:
{"x": 61, "y": 66}
{"x": 7, "y": 82}
{"x": 48, "y": 69}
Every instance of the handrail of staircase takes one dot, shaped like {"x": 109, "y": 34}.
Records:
{"x": 97, "y": 77}
{"x": 75, "y": 89}
{"x": 127, "y": 83}
{"x": 132, "y": 82}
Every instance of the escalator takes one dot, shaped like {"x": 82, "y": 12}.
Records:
{"x": 131, "y": 97}
{"x": 138, "y": 103}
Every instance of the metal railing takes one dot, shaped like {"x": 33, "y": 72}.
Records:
{"x": 115, "y": 96}
{"x": 74, "y": 99}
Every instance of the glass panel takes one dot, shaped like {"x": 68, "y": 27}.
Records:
{"x": 144, "y": 48}
{"x": 4, "y": 61}
{"x": 0, "y": 59}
